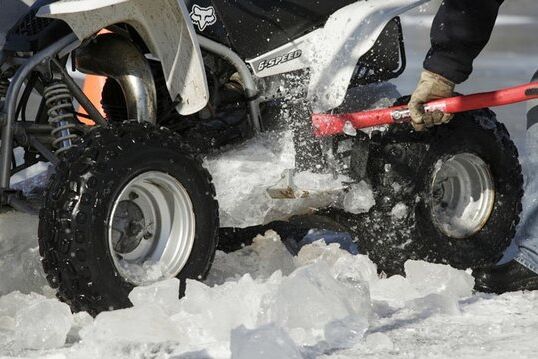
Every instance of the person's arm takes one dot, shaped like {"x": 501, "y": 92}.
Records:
{"x": 460, "y": 31}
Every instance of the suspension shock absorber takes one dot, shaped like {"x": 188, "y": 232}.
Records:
{"x": 4, "y": 86}
{"x": 61, "y": 115}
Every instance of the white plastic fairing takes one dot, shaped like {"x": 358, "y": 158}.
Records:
{"x": 166, "y": 29}
{"x": 294, "y": 55}
{"x": 348, "y": 34}
{"x": 332, "y": 52}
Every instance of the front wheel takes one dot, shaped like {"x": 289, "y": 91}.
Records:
{"x": 128, "y": 207}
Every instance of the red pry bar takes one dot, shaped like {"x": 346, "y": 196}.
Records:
{"x": 328, "y": 124}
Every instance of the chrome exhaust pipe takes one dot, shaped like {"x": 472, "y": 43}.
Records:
{"x": 115, "y": 56}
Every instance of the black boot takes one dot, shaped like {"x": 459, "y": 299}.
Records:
{"x": 509, "y": 277}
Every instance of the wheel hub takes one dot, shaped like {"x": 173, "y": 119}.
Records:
{"x": 129, "y": 226}
{"x": 463, "y": 195}
{"x": 152, "y": 223}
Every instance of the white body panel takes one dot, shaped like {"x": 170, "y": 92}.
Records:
{"x": 304, "y": 45}
{"x": 332, "y": 52}
{"x": 348, "y": 34}
{"x": 166, "y": 29}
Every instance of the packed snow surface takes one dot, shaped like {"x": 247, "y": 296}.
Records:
{"x": 260, "y": 302}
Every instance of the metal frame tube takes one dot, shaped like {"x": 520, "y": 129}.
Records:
{"x": 6, "y": 147}
{"x": 246, "y": 76}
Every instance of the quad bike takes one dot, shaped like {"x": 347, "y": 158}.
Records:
{"x": 130, "y": 202}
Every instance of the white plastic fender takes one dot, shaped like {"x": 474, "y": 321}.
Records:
{"x": 348, "y": 34}
{"x": 166, "y": 29}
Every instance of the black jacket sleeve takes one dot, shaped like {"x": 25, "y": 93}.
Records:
{"x": 460, "y": 30}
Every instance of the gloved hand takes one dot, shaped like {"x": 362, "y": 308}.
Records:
{"x": 430, "y": 87}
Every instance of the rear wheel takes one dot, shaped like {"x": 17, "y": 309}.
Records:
{"x": 449, "y": 195}
{"x": 129, "y": 207}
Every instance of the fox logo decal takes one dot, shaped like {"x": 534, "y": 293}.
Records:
{"x": 203, "y": 16}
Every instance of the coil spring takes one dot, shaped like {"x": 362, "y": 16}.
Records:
{"x": 4, "y": 86}
{"x": 61, "y": 115}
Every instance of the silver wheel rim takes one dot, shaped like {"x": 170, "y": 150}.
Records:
{"x": 463, "y": 195}
{"x": 151, "y": 228}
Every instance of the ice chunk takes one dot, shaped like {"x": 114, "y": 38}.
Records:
{"x": 356, "y": 268}
{"x": 266, "y": 342}
{"x": 319, "y": 251}
{"x": 349, "y": 129}
{"x": 20, "y": 263}
{"x": 399, "y": 211}
{"x": 213, "y": 312}
{"x": 272, "y": 255}
{"x": 11, "y": 303}
{"x": 265, "y": 256}
{"x": 396, "y": 187}
{"x": 164, "y": 294}
{"x": 343, "y": 265}
{"x": 427, "y": 287}
{"x": 310, "y": 298}
{"x": 80, "y": 320}
{"x": 343, "y": 333}
{"x": 359, "y": 199}
{"x": 319, "y": 182}
{"x": 428, "y": 278}
{"x": 147, "y": 272}
{"x": 32, "y": 178}
{"x": 142, "y": 324}
{"x": 379, "y": 342}
{"x": 232, "y": 266}
{"x": 243, "y": 174}
{"x": 344, "y": 240}
{"x": 436, "y": 303}
{"x": 42, "y": 325}
{"x": 395, "y": 290}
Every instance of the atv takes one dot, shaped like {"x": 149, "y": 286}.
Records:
{"x": 129, "y": 201}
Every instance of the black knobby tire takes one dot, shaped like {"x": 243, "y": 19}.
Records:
{"x": 401, "y": 167}
{"x": 73, "y": 223}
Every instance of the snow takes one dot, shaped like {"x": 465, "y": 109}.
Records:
{"x": 31, "y": 178}
{"x": 266, "y": 342}
{"x": 261, "y": 302}
{"x": 377, "y": 342}
{"x": 430, "y": 312}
